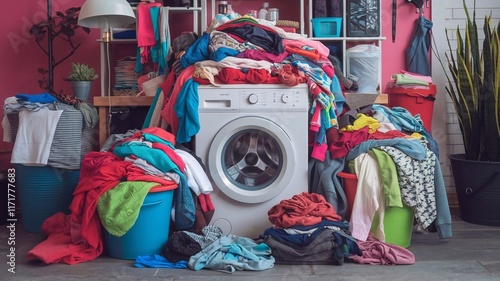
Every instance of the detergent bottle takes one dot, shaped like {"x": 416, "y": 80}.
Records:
{"x": 263, "y": 11}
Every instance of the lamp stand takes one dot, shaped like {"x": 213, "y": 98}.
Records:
{"x": 106, "y": 39}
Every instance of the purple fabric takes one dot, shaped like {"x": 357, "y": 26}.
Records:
{"x": 259, "y": 55}
{"x": 377, "y": 252}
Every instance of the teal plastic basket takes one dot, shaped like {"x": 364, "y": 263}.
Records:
{"x": 43, "y": 191}
{"x": 150, "y": 232}
{"x": 327, "y": 27}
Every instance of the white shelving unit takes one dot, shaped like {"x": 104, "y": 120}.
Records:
{"x": 301, "y": 20}
{"x": 306, "y": 16}
{"x": 199, "y": 12}
{"x": 197, "y": 9}
{"x": 343, "y": 39}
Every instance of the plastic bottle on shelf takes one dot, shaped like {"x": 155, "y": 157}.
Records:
{"x": 231, "y": 14}
{"x": 263, "y": 11}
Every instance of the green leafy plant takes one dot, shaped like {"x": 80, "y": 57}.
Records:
{"x": 474, "y": 85}
{"x": 81, "y": 72}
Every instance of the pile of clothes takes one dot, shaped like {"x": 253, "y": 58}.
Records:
{"x": 49, "y": 129}
{"x": 210, "y": 250}
{"x": 306, "y": 229}
{"x": 136, "y": 163}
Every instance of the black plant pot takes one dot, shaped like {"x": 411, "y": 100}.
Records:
{"x": 477, "y": 185}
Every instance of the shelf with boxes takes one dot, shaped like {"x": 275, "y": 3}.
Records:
{"x": 352, "y": 31}
{"x": 123, "y": 40}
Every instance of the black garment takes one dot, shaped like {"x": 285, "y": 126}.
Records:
{"x": 268, "y": 40}
{"x": 180, "y": 247}
{"x": 322, "y": 250}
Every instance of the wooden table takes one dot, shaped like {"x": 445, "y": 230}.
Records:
{"x": 104, "y": 103}
{"x": 382, "y": 99}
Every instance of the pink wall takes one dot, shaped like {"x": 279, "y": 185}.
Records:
{"x": 21, "y": 57}
{"x": 393, "y": 54}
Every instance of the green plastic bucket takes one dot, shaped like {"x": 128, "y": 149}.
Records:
{"x": 398, "y": 225}
{"x": 398, "y": 222}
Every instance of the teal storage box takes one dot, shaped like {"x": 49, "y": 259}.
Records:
{"x": 327, "y": 27}
{"x": 44, "y": 191}
{"x": 150, "y": 232}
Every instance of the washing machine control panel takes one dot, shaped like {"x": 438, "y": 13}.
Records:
{"x": 282, "y": 98}
{"x": 285, "y": 98}
{"x": 253, "y": 98}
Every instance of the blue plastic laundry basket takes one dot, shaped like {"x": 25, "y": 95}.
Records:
{"x": 43, "y": 191}
{"x": 150, "y": 232}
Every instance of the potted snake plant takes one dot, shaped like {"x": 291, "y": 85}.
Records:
{"x": 473, "y": 84}
{"x": 81, "y": 77}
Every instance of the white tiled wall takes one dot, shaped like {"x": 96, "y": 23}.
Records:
{"x": 445, "y": 125}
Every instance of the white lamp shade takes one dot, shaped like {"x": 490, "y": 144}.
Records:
{"x": 106, "y": 13}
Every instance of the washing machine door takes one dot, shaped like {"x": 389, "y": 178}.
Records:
{"x": 251, "y": 159}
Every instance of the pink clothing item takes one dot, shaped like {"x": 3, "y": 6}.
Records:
{"x": 320, "y": 48}
{"x": 417, "y": 76}
{"x": 262, "y": 55}
{"x": 145, "y": 30}
{"x": 315, "y": 123}
{"x": 376, "y": 252}
{"x": 329, "y": 70}
{"x": 319, "y": 151}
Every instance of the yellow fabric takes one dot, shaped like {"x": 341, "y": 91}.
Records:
{"x": 417, "y": 136}
{"x": 361, "y": 121}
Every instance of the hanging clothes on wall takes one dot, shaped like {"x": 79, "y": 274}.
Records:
{"x": 418, "y": 53}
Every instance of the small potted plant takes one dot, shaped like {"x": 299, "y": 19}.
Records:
{"x": 81, "y": 77}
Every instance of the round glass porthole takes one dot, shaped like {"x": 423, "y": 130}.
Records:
{"x": 251, "y": 159}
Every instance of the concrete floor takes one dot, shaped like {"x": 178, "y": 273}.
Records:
{"x": 472, "y": 254}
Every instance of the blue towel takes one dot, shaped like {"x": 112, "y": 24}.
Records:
{"x": 157, "y": 261}
{"x": 41, "y": 98}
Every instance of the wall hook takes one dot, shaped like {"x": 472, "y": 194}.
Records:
{"x": 418, "y": 3}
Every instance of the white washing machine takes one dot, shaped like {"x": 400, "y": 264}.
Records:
{"x": 253, "y": 140}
